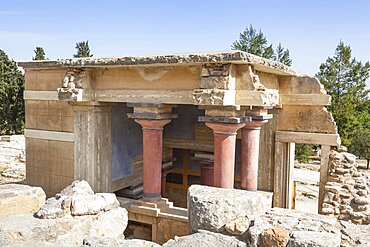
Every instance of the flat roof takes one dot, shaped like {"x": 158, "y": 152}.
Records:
{"x": 234, "y": 57}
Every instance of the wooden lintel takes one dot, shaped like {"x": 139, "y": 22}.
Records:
{"x": 269, "y": 97}
{"x": 146, "y": 96}
{"x": 308, "y": 138}
{"x": 305, "y": 99}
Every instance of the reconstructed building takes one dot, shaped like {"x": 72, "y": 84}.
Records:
{"x": 226, "y": 119}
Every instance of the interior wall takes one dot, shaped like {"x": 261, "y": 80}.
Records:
{"x": 126, "y": 141}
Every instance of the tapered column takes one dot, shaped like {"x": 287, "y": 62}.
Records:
{"x": 152, "y": 118}
{"x": 250, "y": 154}
{"x": 152, "y": 157}
{"x": 224, "y": 153}
{"x": 206, "y": 173}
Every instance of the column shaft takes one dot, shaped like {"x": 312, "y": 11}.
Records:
{"x": 250, "y": 154}
{"x": 224, "y": 153}
{"x": 152, "y": 157}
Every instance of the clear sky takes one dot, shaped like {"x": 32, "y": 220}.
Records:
{"x": 310, "y": 29}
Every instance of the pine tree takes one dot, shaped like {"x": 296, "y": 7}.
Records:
{"x": 344, "y": 79}
{"x": 83, "y": 49}
{"x": 282, "y": 55}
{"x": 11, "y": 96}
{"x": 39, "y": 54}
{"x": 256, "y": 43}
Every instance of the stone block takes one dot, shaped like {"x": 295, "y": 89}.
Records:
{"x": 275, "y": 236}
{"x": 31, "y": 80}
{"x": 205, "y": 239}
{"x": 20, "y": 199}
{"x": 317, "y": 239}
{"x": 225, "y": 210}
{"x": 67, "y": 124}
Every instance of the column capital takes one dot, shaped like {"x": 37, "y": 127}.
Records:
{"x": 225, "y": 128}
{"x": 153, "y": 124}
{"x": 151, "y": 111}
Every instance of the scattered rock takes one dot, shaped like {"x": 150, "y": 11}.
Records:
{"x": 225, "y": 210}
{"x": 20, "y": 199}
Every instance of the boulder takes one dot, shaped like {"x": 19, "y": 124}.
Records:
{"x": 20, "y": 199}
{"x": 225, "y": 210}
{"x": 314, "y": 239}
{"x": 205, "y": 239}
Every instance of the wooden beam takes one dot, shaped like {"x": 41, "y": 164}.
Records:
{"x": 279, "y": 175}
{"x": 308, "y": 138}
{"x": 305, "y": 99}
{"x": 146, "y": 96}
{"x": 40, "y": 95}
{"x": 270, "y": 97}
{"x": 324, "y": 168}
{"x": 49, "y": 135}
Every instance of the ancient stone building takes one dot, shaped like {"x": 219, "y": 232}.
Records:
{"x": 154, "y": 125}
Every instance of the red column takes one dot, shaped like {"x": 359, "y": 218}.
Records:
{"x": 250, "y": 154}
{"x": 152, "y": 157}
{"x": 206, "y": 173}
{"x": 224, "y": 153}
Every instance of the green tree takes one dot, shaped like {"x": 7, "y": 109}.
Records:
{"x": 361, "y": 144}
{"x": 11, "y": 96}
{"x": 282, "y": 55}
{"x": 344, "y": 79}
{"x": 39, "y": 54}
{"x": 83, "y": 49}
{"x": 302, "y": 152}
{"x": 255, "y": 42}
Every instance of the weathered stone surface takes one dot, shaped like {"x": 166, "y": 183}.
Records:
{"x": 348, "y": 197}
{"x": 225, "y": 210}
{"x": 110, "y": 242}
{"x": 314, "y": 239}
{"x": 205, "y": 239}
{"x": 289, "y": 221}
{"x": 65, "y": 231}
{"x": 20, "y": 199}
{"x": 355, "y": 235}
{"x": 275, "y": 236}
{"x": 195, "y": 58}
{"x": 77, "y": 188}
{"x": 77, "y": 200}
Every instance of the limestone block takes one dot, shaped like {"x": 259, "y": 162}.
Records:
{"x": 314, "y": 239}
{"x": 110, "y": 242}
{"x": 54, "y": 208}
{"x": 77, "y": 188}
{"x": 168, "y": 229}
{"x": 205, "y": 239}
{"x": 20, "y": 199}
{"x": 225, "y": 210}
{"x": 66, "y": 231}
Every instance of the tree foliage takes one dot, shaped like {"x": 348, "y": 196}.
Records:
{"x": 361, "y": 144}
{"x": 83, "y": 49}
{"x": 11, "y": 96}
{"x": 302, "y": 152}
{"x": 39, "y": 54}
{"x": 344, "y": 79}
{"x": 255, "y": 42}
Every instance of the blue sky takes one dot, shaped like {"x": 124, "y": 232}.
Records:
{"x": 310, "y": 29}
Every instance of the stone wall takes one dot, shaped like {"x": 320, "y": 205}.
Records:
{"x": 346, "y": 193}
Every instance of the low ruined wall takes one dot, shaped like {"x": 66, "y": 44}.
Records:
{"x": 346, "y": 193}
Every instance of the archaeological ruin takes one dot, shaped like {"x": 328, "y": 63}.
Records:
{"x": 147, "y": 128}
